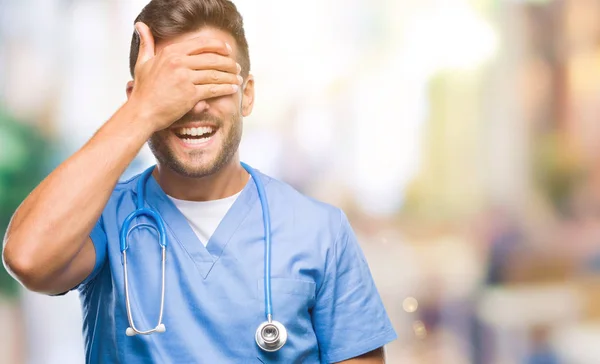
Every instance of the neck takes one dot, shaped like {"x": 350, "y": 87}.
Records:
{"x": 227, "y": 181}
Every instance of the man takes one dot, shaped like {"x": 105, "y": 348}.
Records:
{"x": 191, "y": 89}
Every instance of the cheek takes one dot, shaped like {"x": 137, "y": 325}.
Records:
{"x": 160, "y": 137}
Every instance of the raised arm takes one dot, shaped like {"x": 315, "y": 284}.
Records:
{"x": 47, "y": 245}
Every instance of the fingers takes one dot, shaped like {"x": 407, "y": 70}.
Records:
{"x": 202, "y": 45}
{"x": 212, "y": 61}
{"x": 215, "y": 77}
{"x": 204, "y": 92}
{"x": 146, "y": 50}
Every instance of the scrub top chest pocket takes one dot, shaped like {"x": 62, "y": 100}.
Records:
{"x": 293, "y": 300}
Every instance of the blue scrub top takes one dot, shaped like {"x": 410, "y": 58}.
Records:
{"x": 322, "y": 289}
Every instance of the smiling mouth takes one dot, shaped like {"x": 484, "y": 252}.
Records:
{"x": 195, "y": 135}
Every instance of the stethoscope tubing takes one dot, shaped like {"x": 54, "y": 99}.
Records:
{"x": 267, "y": 232}
{"x": 141, "y": 210}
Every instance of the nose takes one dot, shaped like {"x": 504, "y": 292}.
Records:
{"x": 200, "y": 107}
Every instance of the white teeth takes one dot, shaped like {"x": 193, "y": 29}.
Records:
{"x": 196, "y": 141}
{"x": 196, "y": 131}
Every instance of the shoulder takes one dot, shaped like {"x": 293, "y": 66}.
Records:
{"x": 127, "y": 183}
{"x": 306, "y": 209}
{"x": 124, "y": 187}
{"x": 124, "y": 190}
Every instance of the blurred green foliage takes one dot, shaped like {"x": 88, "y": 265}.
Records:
{"x": 25, "y": 156}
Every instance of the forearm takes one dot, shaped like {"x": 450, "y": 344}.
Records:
{"x": 51, "y": 225}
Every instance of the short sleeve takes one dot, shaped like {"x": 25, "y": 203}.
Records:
{"x": 99, "y": 239}
{"x": 349, "y": 317}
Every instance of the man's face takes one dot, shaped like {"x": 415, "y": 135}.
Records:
{"x": 208, "y": 136}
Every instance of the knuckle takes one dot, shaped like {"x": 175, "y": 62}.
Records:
{"x": 214, "y": 75}
{"x": 175, "y": 61}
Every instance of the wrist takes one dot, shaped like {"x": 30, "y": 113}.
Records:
{"x": 138, "y": 118}
{"x": 129, "y": 126}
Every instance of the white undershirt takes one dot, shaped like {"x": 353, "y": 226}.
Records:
{"x": 205, "y": 216}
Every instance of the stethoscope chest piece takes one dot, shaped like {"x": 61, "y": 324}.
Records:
{"x": 271, "y": 336}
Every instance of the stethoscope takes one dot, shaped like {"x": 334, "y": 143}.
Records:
{"x": 271, "y": 335}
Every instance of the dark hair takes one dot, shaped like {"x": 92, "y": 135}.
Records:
{"x": 169, "y": 18}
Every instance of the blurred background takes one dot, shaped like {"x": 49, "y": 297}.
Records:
{"x": 461, "y": 137}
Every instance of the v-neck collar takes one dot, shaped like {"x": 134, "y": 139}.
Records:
{"x": 204, "y": 257}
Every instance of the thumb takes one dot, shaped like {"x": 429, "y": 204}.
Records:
{"x": 146, "y": 50}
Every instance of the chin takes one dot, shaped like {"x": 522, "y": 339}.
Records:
{"x": 193, "y": 170}
{"x": 196, "y": 166}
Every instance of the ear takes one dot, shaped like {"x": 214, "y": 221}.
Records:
{"x": 248, "y": 96}
{"x": 129, "y": 88}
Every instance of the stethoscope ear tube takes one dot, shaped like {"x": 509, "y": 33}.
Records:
{"x": 160, "y": 327}
{"x": 126, "y": 229}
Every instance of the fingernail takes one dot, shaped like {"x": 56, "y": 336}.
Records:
{"x": 239, "y": 68}
{"x": 235, "y": 88}
{"x": 228, "y": 47}
{"x": 240, "y": 79}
